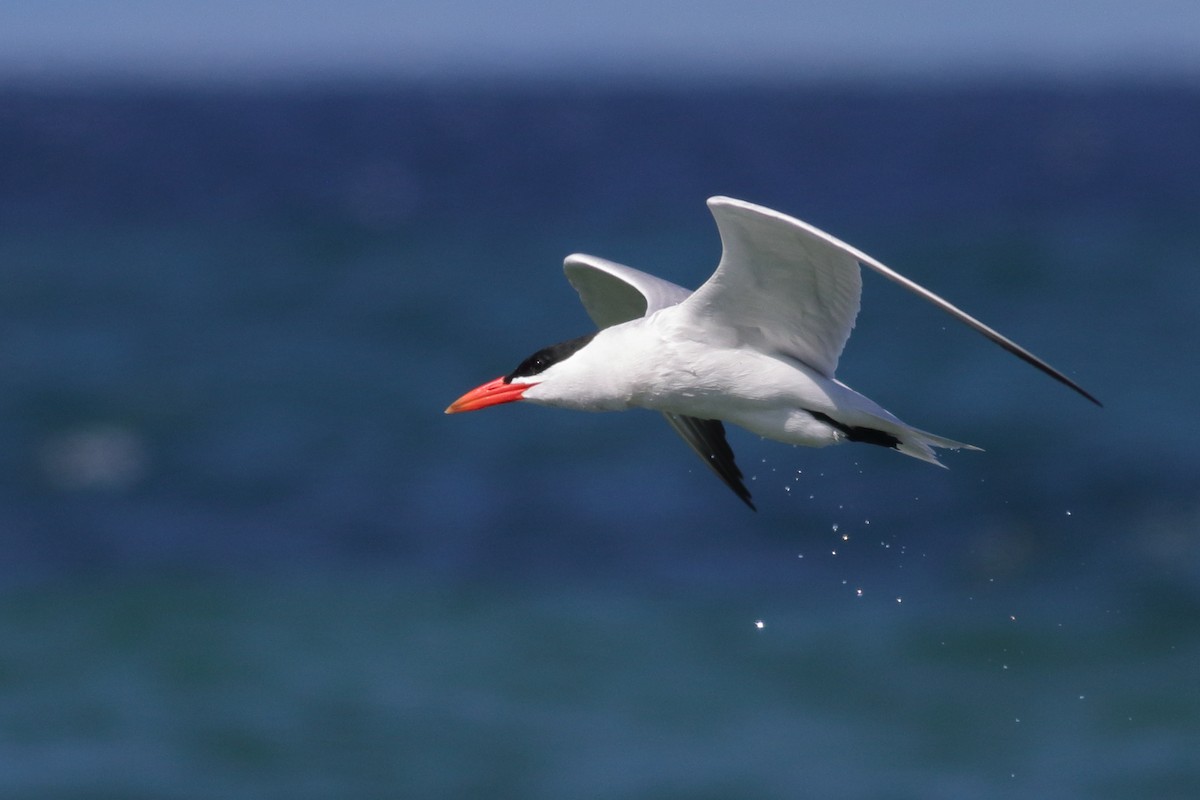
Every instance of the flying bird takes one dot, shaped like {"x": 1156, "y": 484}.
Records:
{"x": 757, "y": 345}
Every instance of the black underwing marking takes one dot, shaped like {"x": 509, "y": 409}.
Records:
{"x": 707, "y": 438}
{"x": 858, "y": 433}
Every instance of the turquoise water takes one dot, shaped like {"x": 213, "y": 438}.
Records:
{"x": 379, "y": 685}
{"x": 246, "y": 555}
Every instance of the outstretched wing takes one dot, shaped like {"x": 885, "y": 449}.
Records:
{"x": 613, "y": 293}
{"x": 966, "y": 319}
{"x": 782, "y": 286}
{"x": 794, "y": 288}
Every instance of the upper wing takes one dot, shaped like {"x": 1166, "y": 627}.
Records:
{"x": 965, "y": 318}
{"x": 613, "y": 293}
{"x": 801, "y": 286}
{"x": 782, "y": 286}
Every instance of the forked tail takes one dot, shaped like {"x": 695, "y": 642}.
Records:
{"x": 920, "y": 444}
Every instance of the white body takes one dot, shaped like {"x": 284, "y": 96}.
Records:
{"x": 663, "y": 362}
{"x": 756, "y": 345}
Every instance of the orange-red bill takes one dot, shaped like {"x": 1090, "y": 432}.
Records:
{"x": 492, "y": 393}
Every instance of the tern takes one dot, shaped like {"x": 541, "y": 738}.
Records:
{"x": 756, "y": 345}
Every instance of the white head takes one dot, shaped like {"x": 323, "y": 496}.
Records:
{"x": 570, "y": 374}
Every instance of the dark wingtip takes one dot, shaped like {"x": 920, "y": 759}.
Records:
{"x": 706, "y": 437}
{"x": 1064, "y": 380}
{"x": 739, "y": 488}
{"x": 1073, "y": 385}
{"x": 731, "y": 476}
{"x": 1035, "y": 362}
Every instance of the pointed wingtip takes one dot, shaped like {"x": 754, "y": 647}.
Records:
{"x": 744, "y": 495}
{"x": 739, "y": 489}
{"x": 706, "y": 437}
{"x": 1063, "y": 379}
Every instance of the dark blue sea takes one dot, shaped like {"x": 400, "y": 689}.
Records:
{"x": 244, "y": 554}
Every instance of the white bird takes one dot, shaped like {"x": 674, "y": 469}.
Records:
{"x": 757, "y": 345}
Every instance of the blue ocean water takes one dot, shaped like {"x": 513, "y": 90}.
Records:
{"x": 246, "y": 555}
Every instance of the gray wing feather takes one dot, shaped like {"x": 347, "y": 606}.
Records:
{"x": 800, "y": 287}
{"x": 613, "y": 293}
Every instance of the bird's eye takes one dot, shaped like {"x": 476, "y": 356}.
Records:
{"x": 547, "y": 357}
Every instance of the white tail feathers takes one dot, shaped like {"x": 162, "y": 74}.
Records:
{"x": 920, "y": 444}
